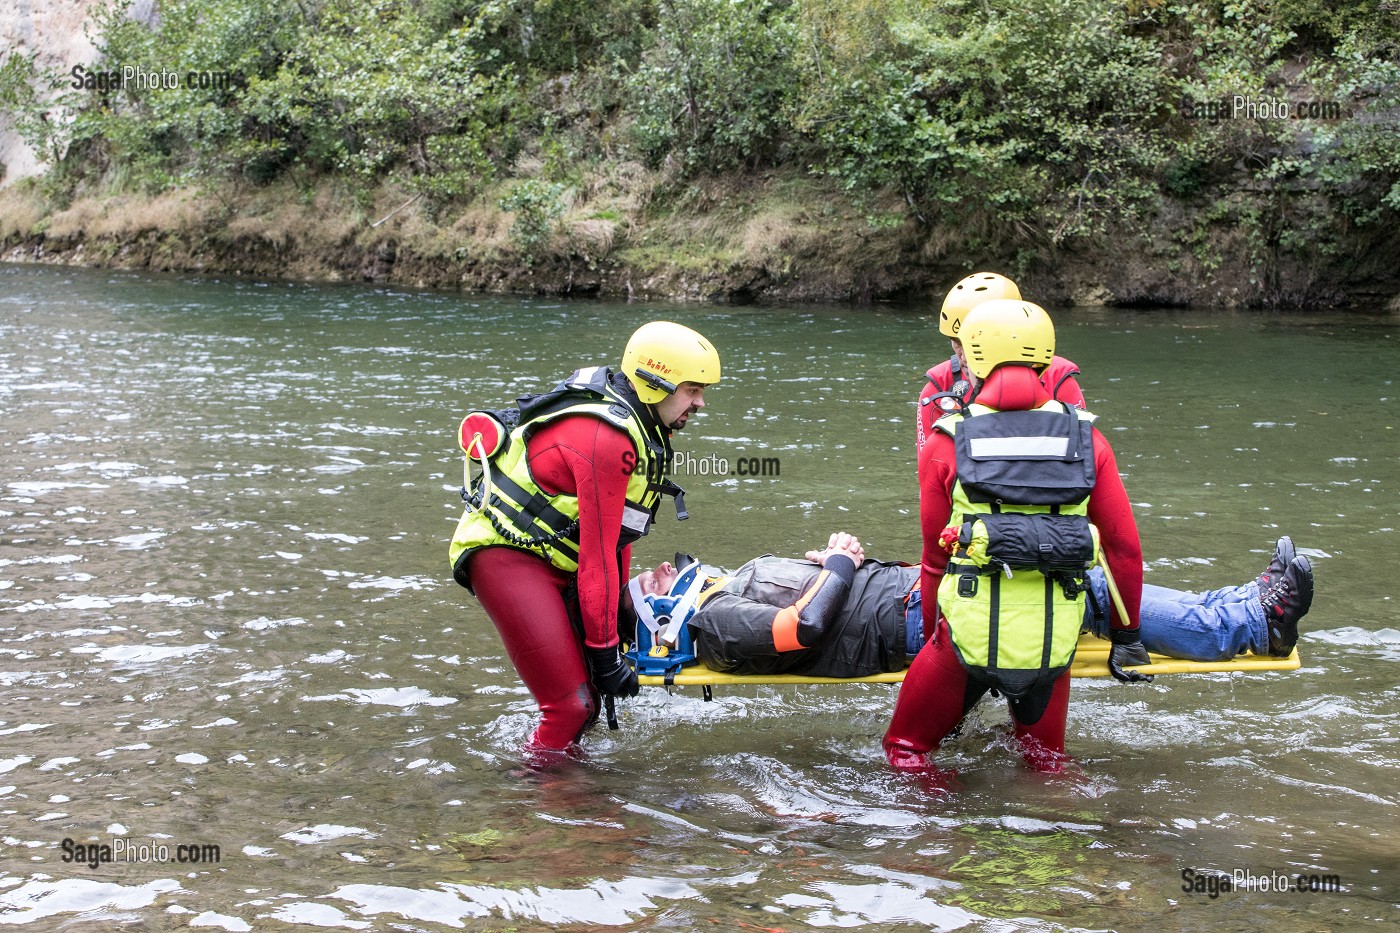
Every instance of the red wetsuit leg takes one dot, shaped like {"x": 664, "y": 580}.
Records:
{"x": 1043, "y": 742}
{"x": 525, "y": 598}
{"x": 935, "y": 696}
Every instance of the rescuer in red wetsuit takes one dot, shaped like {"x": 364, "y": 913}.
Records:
{"x": 1058, "y": 377}
{"x": 950, "y": 675}
{"x": 544, "y": 543}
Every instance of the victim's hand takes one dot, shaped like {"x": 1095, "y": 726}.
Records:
{"x": 840, "y": 543}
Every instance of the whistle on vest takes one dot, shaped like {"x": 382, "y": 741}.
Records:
{"x": 968, "y": 541}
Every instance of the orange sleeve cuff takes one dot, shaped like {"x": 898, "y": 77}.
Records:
{"x": 785, "y": 630}
{"x": 785, "y": 622}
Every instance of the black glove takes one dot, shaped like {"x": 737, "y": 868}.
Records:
{"x": 611, "y": 674}
{"x": 1127, "y": 650}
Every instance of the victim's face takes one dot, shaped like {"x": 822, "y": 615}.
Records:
{"x": 657, "y": 582}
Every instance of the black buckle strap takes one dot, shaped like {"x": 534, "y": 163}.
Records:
{"x": 668, "y": 488}
{"x": 533, "y": 505}
{"x": 1049, "y": 624}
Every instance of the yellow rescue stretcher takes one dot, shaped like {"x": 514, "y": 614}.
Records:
{"x": 1090, "y": 660}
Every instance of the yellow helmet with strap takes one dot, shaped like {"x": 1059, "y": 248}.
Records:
{"x": 1007, "y": 331}
{"x": 968, "y": 294}
{"x": 661, "y": 355}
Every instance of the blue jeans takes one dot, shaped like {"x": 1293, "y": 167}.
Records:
{"x": 1214, "y": 625}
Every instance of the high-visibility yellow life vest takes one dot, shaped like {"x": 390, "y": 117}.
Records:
{"x": 1013, "y": 593}
{"x": 517, "y": 513}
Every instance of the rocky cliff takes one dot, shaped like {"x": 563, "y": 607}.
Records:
{"x": 55, "y": 33}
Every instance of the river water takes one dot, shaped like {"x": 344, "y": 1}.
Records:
{"x": 226, "y": 620}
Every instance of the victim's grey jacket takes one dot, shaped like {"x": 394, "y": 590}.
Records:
{"x": 855, "y": 636}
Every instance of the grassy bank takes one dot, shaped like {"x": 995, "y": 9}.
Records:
{"x": 773, "y": 237}
{"x": 758, "y": 150}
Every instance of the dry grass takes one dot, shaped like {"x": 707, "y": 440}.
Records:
{"x": 776, "y": 229}
{"x": 129, "y": 215}
{"x": 941, "y": 241}
{"x": 75, "y": 220}
{"x": 795, "y": 235}
{"x": 176, "y": 211}
{"x": 283, "y": 216}
{"x": 593, "y": 237}
{"x": 483, "y": 222}
{"x": 625, "y": 188}
{"x": 20, "y": 212}
{"x": 527, "y": 165}
{"x": 479, "y": 229}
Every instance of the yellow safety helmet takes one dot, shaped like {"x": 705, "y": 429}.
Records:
{"x": 1007, "y": 331}
{"x": 661, "y": 355}
{"x": 968, "y": 294}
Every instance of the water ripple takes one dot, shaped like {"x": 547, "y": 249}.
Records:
{"x": 98, "y": 900}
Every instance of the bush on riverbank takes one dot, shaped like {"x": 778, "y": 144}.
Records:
{"x": 1016, "y": 132}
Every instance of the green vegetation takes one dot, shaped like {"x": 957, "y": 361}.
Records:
{"x": 1010, "y": 129}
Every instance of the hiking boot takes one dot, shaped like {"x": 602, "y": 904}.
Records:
{"x": 1283, "y": 556}
{"x": 1286, "y": 599}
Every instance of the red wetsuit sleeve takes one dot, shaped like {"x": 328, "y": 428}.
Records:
{"x": 937, "y": 471}
{"x": 1112, "y": 514}
{"x": 585, "y": 456}
{"x": 940, "y": 379}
